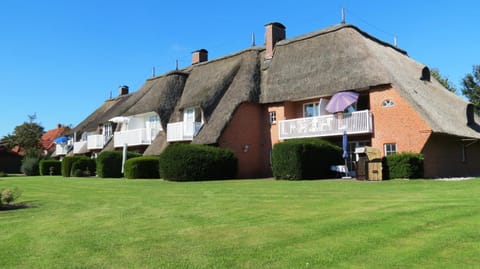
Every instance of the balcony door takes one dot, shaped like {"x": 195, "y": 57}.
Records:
{"x": 188, "y": 121}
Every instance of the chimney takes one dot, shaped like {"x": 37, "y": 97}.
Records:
{"x": 274, "y": 32}
{"x": 123, "y": 90}
{"x": 199, "y": 56}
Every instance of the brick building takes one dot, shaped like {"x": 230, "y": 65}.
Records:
{"x": 250, "y": 100}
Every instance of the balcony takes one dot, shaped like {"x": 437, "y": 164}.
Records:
{"x": 182, "y": 131}
{"x": 135, "y": 137}
{"x": 359, "y": 122}
{"x": 97, "y": 141}
{"x": 80, "y": 147}
{"x": 62, "y": 149}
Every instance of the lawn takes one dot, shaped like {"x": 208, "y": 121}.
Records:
{"x": 118, "y": 223}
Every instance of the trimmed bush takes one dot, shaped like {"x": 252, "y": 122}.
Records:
{"x": 187, "y": 162}
{"x": 306, "y": 158}
{"x": 7, "y": 196}
{"x": 30, "y": 166}
{"x": 50, "y": 167}
{"x": 83, "y": 167}
{"x": 67, "y": 164}
{"x": 142, "y": 167}
{"x": 109, "y": 163}
{"x": 404, "y": 165}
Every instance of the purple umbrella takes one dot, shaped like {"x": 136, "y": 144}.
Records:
{"x": 341, "y": 100}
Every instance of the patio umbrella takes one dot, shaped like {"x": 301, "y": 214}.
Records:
{"x": 61, "y": 139}
{"x": 119, "y": 119}
{"x": 341, "y": 100}
{"x": 345, "y": 151}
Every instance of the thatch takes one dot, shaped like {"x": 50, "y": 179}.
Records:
{"x": 161, "y": 97}
{"x": 111, "y": 108}
{"x": 444, "y": 111}
{"x": 222, "y": 90}
{"x": 158, "y": 145}
{"x": 321, "y": 64}
{"x": 343, "y": 57}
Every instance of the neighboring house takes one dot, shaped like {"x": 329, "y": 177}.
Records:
{"x": 48, "y": 139}
{"x": 10, "y": 161}
{"x": 250, "y": 100}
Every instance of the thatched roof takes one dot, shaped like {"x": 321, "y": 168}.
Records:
{"x": 321, "y": 63}
{"x": 161, "y": 96}
{"x": 219, "y": 87}
{"x": 101, "y": 115}
{"x": 343, "y": 57}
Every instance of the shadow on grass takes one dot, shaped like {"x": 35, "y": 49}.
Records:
{"x": 17, "y": 206}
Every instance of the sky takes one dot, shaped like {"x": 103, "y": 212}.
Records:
{"x": 60, "y": 60}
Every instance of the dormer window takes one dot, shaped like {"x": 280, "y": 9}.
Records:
{"x": 388, "y": 103}
{"x": 425, "y": 74}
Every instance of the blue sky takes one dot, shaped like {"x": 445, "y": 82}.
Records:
{"x": 63, "y": 59}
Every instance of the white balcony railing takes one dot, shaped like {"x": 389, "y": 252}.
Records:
{"x": 61, "y": 149}
{"x": 135, "y": 137}
{"x": 181, "y": 131}
{"x": 80, "y": 147}
{"x": 96, "y": 141}
{"x": 359, "y": 122}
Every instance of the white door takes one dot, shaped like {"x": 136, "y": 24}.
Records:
{"x": 188, "y": 122}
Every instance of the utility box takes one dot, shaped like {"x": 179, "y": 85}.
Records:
{"x": 369, "y": 163}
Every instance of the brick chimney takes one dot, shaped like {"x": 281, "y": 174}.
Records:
{"x": 199, "y": 56}
{"x": 274, "y": 32}
{"x": 123, "y": 90}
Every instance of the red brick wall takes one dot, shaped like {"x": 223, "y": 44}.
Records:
{"x": 398, "y": 124}
{"x": 444, "y": 157}
{"x": 247, "y": 135}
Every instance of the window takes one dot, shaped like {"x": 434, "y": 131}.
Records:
{"x": 387, "y": 103}
{"x": 311, "y": 110}
{"x": 154, "y": 121}
{"x": 390, "y": 148}
{"x": 273, "y": 117}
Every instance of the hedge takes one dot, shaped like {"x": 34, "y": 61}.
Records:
{"x": 109, "y": 163}
{"x": 306, "y": 158}
{"x": 67, "y": 163}
{"x": 142, "y": 167}
{"x": 187, "y": 162}
{"x": 50, "y": 167}
{"x": 404, "y": 165}
{"x": 83, "y": 167}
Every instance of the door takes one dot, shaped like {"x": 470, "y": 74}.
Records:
{"x": 188, "y": 122}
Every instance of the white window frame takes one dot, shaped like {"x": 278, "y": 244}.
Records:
{"x": 315, "y": 109}
{"x": 272, "y": 115}
{"x": 387, "y": 149}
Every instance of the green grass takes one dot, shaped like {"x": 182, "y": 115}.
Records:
{"x": 117, "y": 223}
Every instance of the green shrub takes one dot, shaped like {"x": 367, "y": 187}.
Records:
{"x": 3, "y": 174}
{"x": 187, "y": 162}
{"x": 30, "y": 166}
{"x": 404, "y": 165}
{"x": 307, "y": 158}
{"x": 142, "y": 167}
{"x": 85, "y": 165}
{"x": 67, "y": 164}
{"x": 109, "y": 163}
{"x": 50, "y": 167}
{"x": 7, "y": 196}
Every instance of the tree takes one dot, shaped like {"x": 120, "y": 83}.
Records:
{"x": 26, "y": 136}
{"x": 443, "y": 80}
{"x": 471, "y": 87}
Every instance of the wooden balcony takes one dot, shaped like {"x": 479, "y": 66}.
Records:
{"x": 359, "y": 122}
